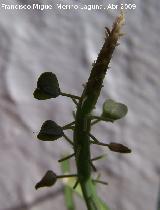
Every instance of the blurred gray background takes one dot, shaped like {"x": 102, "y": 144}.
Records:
{"x": 66, "y": 42}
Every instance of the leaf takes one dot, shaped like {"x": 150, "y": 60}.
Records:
{"x": 48, "y": 180}
{"x": 68, "y": 192}
{"x": 116, "y": 147}
{"x": 103, "y": 206}
{"x": 50, "y": 131}
{"x": 113, "y": 110}
{"x": 47, "y": 86}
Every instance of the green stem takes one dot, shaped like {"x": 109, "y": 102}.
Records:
{"x": 94, "y": 138}
{"x": 74, "y": 100}
{"x": 95, "y": 121}
{"x": 98, "y": 158}
{"x": 76, "y": 184}
{"x": 69, "y": 95}
{"x": 100, "y": 143}
{"x": 85, "y": 107}
{"x": 65, "y": 127}
{"x": 100, "y": 118}
{"x": 66, "y": 158}
{"x": 69, "y": 141}
{"x": 93, "y": 166}
{"x": 69, "y": 128}
{"x": 99, "y": 181}
{"x": 66, "y": 176}
{"x": 74, "y": 114}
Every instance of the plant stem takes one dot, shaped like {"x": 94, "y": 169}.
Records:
{"x": 66, "y": 176}
{"x": 94, "y": 138}
{"x": 66, "y": 158}
{"x": 65, "y": 127}
{"x": 85, "y": 106}
{"x": 69, "y": 95}
{"x": 74, "y": 100}
{"x": 95, "y": 121}
{"x": 100, "y": 143}
{"x": 69, "y": 141}
{"x": 76, "y": 183}
{"x": 93, "y": 166}
{"x": 100, "y": 118}
{"x": 98, "y": 158}
{"x": 99, "y": 181}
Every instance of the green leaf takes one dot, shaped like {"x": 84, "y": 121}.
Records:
{"x": 48, "y": 180}
{"x": 50, "y": 131}
{"x": 116, "y": 147}
{"x": 68, "y": 192}
{"x": 47, "y": 87}
{"x": 103, "y": 206}
{"x": 113, "y": 110}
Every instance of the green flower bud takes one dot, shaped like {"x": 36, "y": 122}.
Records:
{"x": 113, "y": 110}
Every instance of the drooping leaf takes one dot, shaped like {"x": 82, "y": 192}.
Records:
{"x": 113, "y": 110}
{"x": 116, "y": 147}
{"x": 50, "y": 131}
{"x": 48, "y": 180}
{"x": 47, "y": 86}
